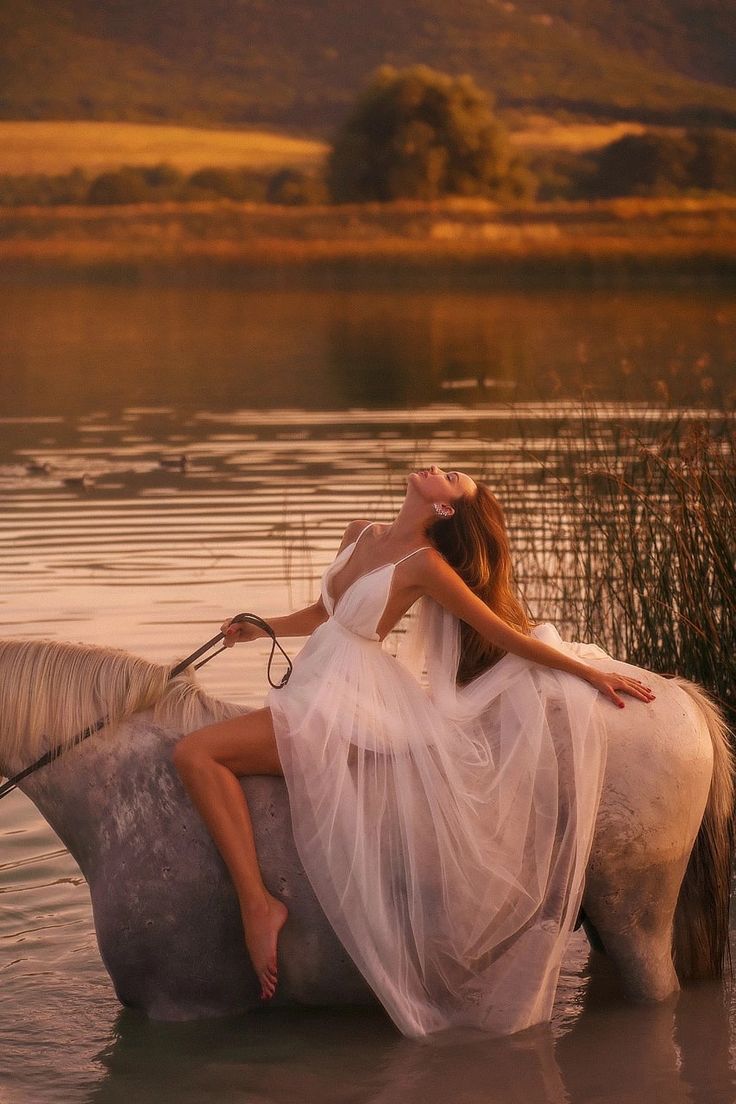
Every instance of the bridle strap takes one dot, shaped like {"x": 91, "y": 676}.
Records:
{"x": 251, "y": 618}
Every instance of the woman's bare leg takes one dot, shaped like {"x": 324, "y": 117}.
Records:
{"x": 210, "y": 761}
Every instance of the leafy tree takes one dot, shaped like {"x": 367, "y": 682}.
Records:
{"x": 43, "y": 190}
{"x": 127, "y": 185}
{"x": 713, "y": 164}
{"x": 239, "y": 184}
{"x": 294, "y": 188}
{"x": 648, "y": 164}
{"x": 417, "y": 133}
{"x": 562, "y": 173}
{"x": 164, "y": 177}
{"x": 657, "y": 164}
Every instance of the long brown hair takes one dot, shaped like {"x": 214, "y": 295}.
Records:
{"x": 475, "y": 542}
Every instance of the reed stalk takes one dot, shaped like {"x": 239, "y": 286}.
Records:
{"x": 636, "y": 550}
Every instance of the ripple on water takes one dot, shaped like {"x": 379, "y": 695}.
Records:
{"x": 152, "y": 560}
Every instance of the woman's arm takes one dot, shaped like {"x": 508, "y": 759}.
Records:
{"x": 300, "y": 623}
{"x": 444, "y": 584}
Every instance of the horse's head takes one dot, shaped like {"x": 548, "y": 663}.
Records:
{"x": 51, "y": 691}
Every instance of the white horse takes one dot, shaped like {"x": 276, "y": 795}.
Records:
{"x": 167, "y": 920}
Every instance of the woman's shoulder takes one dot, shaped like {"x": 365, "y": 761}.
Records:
{"x": 354, "y": 527}
{"x": 353, "y": 530}
{"x": 423, "y": 564}
{"x": 429, "y": 556}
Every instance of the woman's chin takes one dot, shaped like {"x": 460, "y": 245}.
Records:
{"x": 414, "y": 485}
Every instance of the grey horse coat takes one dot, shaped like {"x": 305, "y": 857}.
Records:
{"x": 166, "y": 914}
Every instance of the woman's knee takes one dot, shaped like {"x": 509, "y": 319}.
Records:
{"x": 188, "y": 752}
{"x": 245, "y": 744}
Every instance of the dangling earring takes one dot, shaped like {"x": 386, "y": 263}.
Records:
{"x": 441, "y": 510}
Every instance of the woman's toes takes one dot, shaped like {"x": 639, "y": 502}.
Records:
{"x": 268, "y": 983}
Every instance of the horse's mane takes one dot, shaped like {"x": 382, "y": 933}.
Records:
{"x": 50, "y": 691}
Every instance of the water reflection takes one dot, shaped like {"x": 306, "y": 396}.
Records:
{"x": 108, "y": 348}
{"x": 676, "y": 1052}
{"x": 103, "y": 538}
{"x": 296, "y": 413}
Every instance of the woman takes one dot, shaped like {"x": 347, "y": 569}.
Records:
{"x": 445, "y": 833}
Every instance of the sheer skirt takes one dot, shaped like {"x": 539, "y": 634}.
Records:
{"x": 445, "y": 831}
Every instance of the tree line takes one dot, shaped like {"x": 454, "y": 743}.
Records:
{"x": 162, "y": 183}
{"x": 419, "y": 134}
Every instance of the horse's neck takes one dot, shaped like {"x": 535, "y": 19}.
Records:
{"x": 113, "y": 786}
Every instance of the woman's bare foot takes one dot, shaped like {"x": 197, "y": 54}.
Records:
{"x": 262, "y": 924}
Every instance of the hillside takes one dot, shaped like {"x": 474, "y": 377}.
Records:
{"x": 296, "y": 66}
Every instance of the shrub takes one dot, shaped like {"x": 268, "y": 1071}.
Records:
{"x": 40, "y": 190}
{"x": 127, "y": 185}
{"x": 659, "y": 164}
{"x": 563, "y": 174}
{"x": 713, "y": 163}
{"x": 164, "y": 177}
{"x": 294, "y": 188}
{"x": 238, "y": 184}
{"x": 420, "y": 134}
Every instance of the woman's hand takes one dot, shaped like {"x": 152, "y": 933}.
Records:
{"x": 300, "y": 623}
{"x": 608, "y": 682}
{"x": 239, "y": 632}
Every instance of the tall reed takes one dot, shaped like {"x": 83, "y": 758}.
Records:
{"x": 637, "y": 550}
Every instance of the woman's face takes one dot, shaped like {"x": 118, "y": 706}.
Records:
{"x": 436, "y": 485}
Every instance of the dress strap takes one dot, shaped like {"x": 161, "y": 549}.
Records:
{"x": 406, "y": 557}
{"x": 362, "y": 531}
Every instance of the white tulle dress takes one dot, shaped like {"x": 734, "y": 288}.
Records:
{"x": 445, "y": 830}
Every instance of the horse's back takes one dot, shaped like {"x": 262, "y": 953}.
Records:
{"x": 658, "y": 771}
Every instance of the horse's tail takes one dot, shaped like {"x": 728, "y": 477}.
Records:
{"x": 700, "y": 941}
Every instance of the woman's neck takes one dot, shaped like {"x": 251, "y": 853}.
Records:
{"x": 411, "y": 523}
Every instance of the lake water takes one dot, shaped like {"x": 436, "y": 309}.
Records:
{"x": 297, "y": 411}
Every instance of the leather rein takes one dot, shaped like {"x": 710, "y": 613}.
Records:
{"x": 250, "y": 618}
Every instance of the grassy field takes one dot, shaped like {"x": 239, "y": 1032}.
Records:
{"x": 610, "y": 240}
{"x": 543, "y": 133}
{"x": 58, "y": 147}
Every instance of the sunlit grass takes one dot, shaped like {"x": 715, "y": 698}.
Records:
{"x": 56, "y": 147}
{"x": 59, "y": 147}
{"x": 619, "y": 236}
{"x": 547, "y": 133}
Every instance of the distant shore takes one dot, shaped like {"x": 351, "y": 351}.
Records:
{"x": 624, "y": 242}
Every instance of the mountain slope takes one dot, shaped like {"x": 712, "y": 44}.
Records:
{"x": 296, "y": 64}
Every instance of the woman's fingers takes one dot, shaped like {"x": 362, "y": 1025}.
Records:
{"x": 631, "y": 686}
{"x": 231, "y": 633}
{"x": 613, "y": 682}
{"x": 615, "y": 698}
{"x": 638, "y": 687}
{"x": 235, "y": 633}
